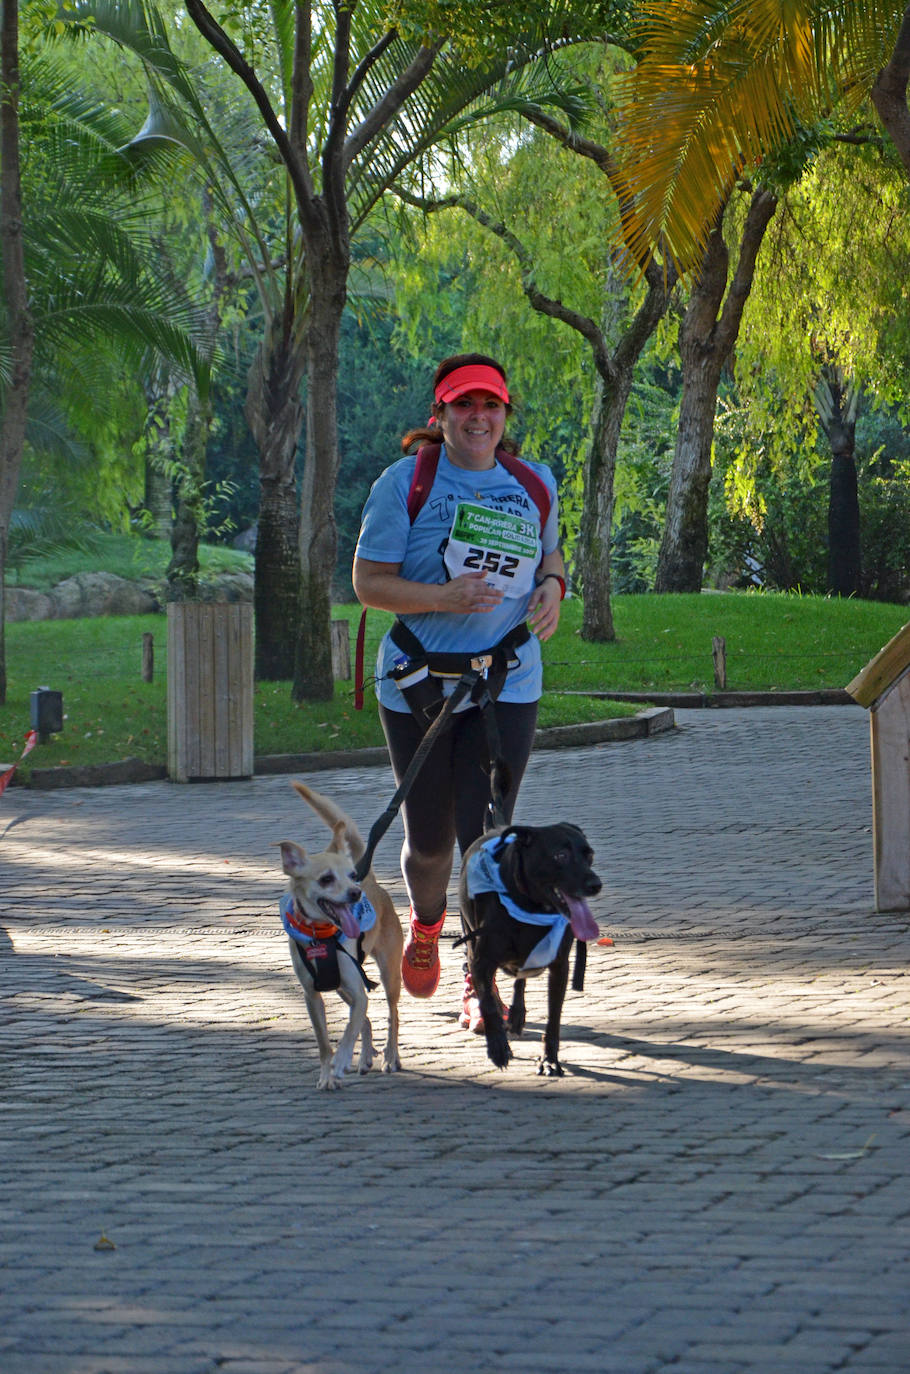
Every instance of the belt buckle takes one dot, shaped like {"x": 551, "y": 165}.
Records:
{"x": 482, "y": 663}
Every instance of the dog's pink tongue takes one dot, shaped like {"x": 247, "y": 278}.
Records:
{"x": 349, "y": 923}
{"x": 584, "y": 926}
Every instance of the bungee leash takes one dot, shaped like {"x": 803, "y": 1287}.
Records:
{"x": 382, "y": 823}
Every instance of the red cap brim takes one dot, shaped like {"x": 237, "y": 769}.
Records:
{"x": 474, "y": 377}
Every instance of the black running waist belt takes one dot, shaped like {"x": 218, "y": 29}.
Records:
{"x": 453, "y": 665}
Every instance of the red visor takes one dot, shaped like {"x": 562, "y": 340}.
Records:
{"x": 474, "y": 377}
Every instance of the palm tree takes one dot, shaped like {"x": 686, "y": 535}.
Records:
{"x": 718, "y": 87}
{"x": 15, "y": 290}
{"x": 347, "y": 101}
{"x": 720, "y": 83}
{"x": 80, "y": 287}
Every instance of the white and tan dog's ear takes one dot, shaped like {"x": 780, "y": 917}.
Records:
{"x": 339, "y": 843}
{"x": 293, "y": 858}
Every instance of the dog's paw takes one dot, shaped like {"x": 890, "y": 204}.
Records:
{"x": 516, "y": 1021}
{"x": 367, "y": 1051}
{"x": 329, "y": 1081}
{"x": 498, "y": 1049}
{"x": 365, "y": 1062}
{"x": 341, "y": 1063}
{"x": 550, "y": 1068}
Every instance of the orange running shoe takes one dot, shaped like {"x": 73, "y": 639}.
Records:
{"x": 420, "y": 968}
{"x": 470, "y": 1018}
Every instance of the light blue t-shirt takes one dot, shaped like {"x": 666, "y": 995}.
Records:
{"x": 387, "y": 536}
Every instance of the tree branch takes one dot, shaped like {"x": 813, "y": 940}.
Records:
{"x": 601, "y": 157}
{"x": 298, "y": 171}
{"x": 391, "y": 102}
{"x": 301, "y": 79}
{"x": 333, "y": 168}
{"x": 761, "y": 210}
{"x": 545, "y": 305}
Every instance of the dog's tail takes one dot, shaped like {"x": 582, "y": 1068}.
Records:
{"x": 326, "y": 809}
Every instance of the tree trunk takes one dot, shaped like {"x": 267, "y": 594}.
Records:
{"x": 158, "y": 497}
{"x": 836, "y": 405}
{"x": 19, "y": 320}
{"x": 684, "y": 543}
{"x": 706, "y": 338}
{"x": 615, "y": 375}
{"x": 189, "y": 515}
{"x": 597, "y": 514}
{"x": 313, "y": 678}
{"x": 274, "y": 412}
{"x": 889, "y": 93}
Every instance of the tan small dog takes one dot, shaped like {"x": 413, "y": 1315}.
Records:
{"x": 324, "y": 890}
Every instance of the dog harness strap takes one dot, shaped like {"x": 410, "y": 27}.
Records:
{"x": 499, "y": 773}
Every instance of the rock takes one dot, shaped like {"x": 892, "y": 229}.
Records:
{"x": 246, "y": 539}
{"x": 101, "y": 593}
{"x": 236, "y": 586}
{"x": 24, "y": 603}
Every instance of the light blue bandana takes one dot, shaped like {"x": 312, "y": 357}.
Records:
{"x": 484, "y": 876}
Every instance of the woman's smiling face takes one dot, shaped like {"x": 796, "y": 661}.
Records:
{"x": 472, "y": 426}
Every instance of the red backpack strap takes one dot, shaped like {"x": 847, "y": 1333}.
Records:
{"x": 425, "y": 475}
{"x": 533, "y": 485}
{"x": 423, "y": 479}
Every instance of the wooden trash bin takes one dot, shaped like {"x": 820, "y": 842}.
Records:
{"x": 884, "y": 687}
{"x": 209, "y": 690}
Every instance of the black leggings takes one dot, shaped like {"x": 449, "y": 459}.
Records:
{"x": 449, "y": 796}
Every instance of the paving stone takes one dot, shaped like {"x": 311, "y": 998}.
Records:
{"x": 717, "y": 1185}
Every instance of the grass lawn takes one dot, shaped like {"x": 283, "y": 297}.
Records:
{"x": 663, "y": 643}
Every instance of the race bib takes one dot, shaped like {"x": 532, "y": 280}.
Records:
{"x": 504, "y": 546}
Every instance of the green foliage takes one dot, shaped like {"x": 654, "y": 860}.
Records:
{"x": 828, "y": 289}
{"x": 643, "y": 463}
{"x": 769, "y": 504}
{"x": 382, "y": 393}
{"x": 52, "y": 531}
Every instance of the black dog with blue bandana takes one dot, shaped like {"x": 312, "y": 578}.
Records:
{"x": 523, "y": 894}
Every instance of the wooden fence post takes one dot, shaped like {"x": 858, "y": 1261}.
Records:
{"x": 209, "y": 690}
{"x": 341, "y": 650}
{"x": 148, "y": 656}
{"x": 719, "y": 650}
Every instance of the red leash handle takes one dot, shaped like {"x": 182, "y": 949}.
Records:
{"x": 358, "y": 661}
{"x": 31, "y": 739}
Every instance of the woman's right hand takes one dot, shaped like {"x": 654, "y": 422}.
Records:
{"x": 468, "y": 593}
{"x": 382, "y": 586}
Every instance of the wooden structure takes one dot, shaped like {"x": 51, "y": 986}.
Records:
{"x": 884, "y": 687}
{"x": 209, "y": 690}
{"x": 341, "y": 650}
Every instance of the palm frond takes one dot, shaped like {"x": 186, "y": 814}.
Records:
{"x": 452, "y": 97}
{"x": 719, "y": 85}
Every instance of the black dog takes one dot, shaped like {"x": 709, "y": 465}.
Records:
{"x": 534, "y": 870}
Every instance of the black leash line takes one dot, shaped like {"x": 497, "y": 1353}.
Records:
{"x": 381, "y": 825}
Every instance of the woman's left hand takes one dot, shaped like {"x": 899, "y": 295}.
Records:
{"x": 543, "y": 608}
